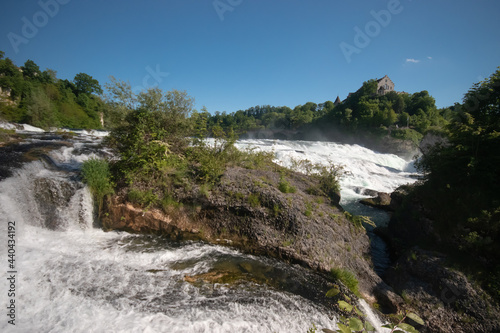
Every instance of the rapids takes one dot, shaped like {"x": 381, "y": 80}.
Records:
{"x": 73, "y": 277}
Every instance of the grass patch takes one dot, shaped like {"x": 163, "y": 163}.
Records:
{"x": 96, "y": 174}
{"x": 168, "y": 203}
{"x": 309, "y": 209}
{"x": 347, "y": 278}
{"x": 254, "y": 200}
{"x": 285, "y": 187}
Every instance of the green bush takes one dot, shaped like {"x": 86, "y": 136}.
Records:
{"x": 347, "y": 278}
{"x": 96, "y": 174}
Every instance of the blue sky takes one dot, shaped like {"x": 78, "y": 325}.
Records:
{"x": 255, "y": 52}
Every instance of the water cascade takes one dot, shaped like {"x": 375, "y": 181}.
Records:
{"x": 73, "y": 277}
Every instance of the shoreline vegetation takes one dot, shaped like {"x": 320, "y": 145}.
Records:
{"x": 183, "y": 184}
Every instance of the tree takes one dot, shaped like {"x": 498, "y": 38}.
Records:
{"x": 40, "y": 110}
{"x": 48, "y": 76}
{"x": 466, "y": 171}
{"x": 11, "y": 77}
{"x": 31, "y": 70}
{"x": 86, "y": 84}
{"x": 159, "y": 123}
{"x": 460, "y": 193}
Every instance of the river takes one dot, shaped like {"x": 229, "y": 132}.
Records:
{"x": 70, "y": 276}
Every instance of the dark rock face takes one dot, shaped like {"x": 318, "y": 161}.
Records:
{"x": 51, "y": 195}
{"x": 444, "y": 298}
{"x": 248, "y": 210}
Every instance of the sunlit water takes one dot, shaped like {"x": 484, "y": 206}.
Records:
{"x": 73, "y": 277}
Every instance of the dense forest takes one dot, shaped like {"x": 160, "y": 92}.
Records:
{"x": 401, "y": 115}
{"x": 30, "y": 95}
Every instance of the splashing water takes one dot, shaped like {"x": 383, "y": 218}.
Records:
{"x": 72, "y": 277}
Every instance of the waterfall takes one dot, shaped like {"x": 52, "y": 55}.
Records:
{"x": 72, "y": 277}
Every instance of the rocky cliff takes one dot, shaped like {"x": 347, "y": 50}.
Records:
{"x": 247, "y": 210}
{"x": 428, "y": 280}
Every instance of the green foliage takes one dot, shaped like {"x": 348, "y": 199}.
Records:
{"x": 30, "y": 69}
{"x": 332, "y": 292}
{"x": 407, "y": 134}
{"x": 355, "y": 320}
{"x": 462, "y": 177}
{"x": 96, "y": 174}
{"x": 40, "y": 110}
{"x": 312, "y": 329}
{"x": 40, "y": 99}
{"x": 328, "y": 177}
{"x": 86, "y": 84}
{"x": 153, "y": 139}
{"x": 254, "y": 200}
{"x": 6, "y": 134}
{"x": 145, "y": 199}
{"x": 285, "y": 187}
{"x": 347, "y": 278}
{"x": 399, "y": 324}
{"x": 359, "y": 220}
{"x": 156, "y": 155}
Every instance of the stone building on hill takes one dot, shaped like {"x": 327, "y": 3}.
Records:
{"x": 385, "y": 85}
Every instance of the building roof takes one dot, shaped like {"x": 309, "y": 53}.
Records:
{"x": 384, "y": 78}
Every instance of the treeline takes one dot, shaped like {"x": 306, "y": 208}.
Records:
{"x": 30, "y": 95}
{"x": 405, "y": 116}
{"x": 39, "y": 98}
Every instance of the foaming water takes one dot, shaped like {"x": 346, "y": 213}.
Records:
{"x": 76, "y": 278}
{"x": 366, "y": 169}
{"x": 73, "y": 277}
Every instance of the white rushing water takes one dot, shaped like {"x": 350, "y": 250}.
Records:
{"x": 73, "y": 277}
{"x": 366, "y": 169}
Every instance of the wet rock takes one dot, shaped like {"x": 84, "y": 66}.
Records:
{"x": 381, "y": 201}
{"x": 444, "y": 297}
{"x": 52, "y": 196}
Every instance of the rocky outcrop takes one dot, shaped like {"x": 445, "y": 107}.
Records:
{"x": 444, "y": 297}
{"x": 247, "y": 210}
{"x": 381, "y": 201}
